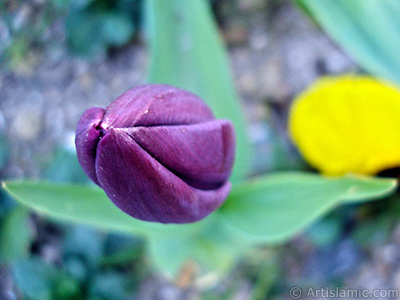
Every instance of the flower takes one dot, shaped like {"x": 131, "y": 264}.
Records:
{"x": 159, "y": 154}
{"x": 348, "y": 124}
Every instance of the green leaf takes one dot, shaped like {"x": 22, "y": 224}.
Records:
{"x": 273, "y": 208}
{"x": 376, "y": 231}
{"x": 213, "y": 248}
{"x": 4, "y": 151}
{"x": 123, "y": 257}
{"x": 328, "y": 230}
{"x": 84, "y": 242}
{"x": 109, "y": 285}
{"x": 91, "y": 31}
{"x": 15, "y": 235}
{"x": 33, "y": 278}
{"x": 82, "y": 32}
{"x": 186, "y": 52}
{"x": 270, "y": 209}
{"x": 87, "y": 205}
{"x": 208, "y": 242}
{"x": 39, "y": 280}
{"x": 367, "y": 29}
{"x": 117, "y": 28}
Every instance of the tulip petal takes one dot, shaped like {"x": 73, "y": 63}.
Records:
{"x": 156, "y": 105}
{"x": 201, "y": 154}
{"x": 87, "y": 138}
{"x": 348, "y": 124}
{"x": 143, "y": 188}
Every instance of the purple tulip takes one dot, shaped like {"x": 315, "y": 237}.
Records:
{"x": 159, "y": 154}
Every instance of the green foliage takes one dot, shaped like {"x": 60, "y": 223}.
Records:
{"x": 109, "y": 285}
{"x": 186, "y": 52}
{"x": 212, "y": 246}
{"x": 83, "y": 274}
{"x": 15, "y": 235}
{"x": 6, "y": 203}
{"x": 376, "y": 222}
{"x": 77, "y": 203}
{"x": 328, "y": 230}
{"x": 4, "y": 150}
{"x": 273, "y": 208}
{"x": 84, "y": 243}
{"x": 93, "y": 26}
{"x": 41, "y": 281}
{"x": 367, "y": 29}
{"x": 268, "y": 274}
{"x": 93, "y": 32}
{"x": 65, "y": 167}
{"x": 270, "y": 209}
{"x": 23, "y": 31}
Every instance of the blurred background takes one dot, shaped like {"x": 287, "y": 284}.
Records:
{"x": 59, "y": 57}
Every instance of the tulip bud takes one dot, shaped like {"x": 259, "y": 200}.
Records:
{"x": 159, "y": 154}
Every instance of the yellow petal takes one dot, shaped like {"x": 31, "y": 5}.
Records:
{"x": 348, "y": 124}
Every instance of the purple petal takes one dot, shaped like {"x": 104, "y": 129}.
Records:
{"x": 145, "y": 189}
{"x": 201, "y": 154}
{"x": 155, "y": 105}
{"x": 87, "y": 138}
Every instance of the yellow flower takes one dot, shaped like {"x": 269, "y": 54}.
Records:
{"x": 348, "y": 124}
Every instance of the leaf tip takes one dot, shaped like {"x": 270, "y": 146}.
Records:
{"x": 3, "y": 185}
